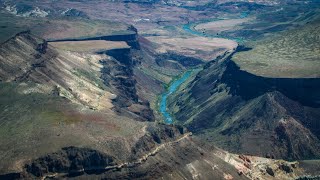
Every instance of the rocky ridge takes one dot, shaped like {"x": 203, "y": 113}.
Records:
{"x": 249, "y": 114}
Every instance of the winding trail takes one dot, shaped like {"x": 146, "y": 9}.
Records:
{"x": 125, "y": 164}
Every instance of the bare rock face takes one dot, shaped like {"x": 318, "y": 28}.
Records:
{"x": 270, "y": 171}
{"x": 118, "y": 74}
{"x": 156, "y": 135}
{"x": 69, "y": 160}
{"x": 286, "y": 168}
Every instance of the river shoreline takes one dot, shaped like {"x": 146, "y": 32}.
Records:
{"x": 176, "y": 83}
{"x": 173, "y": 87}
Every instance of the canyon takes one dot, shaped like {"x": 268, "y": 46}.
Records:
{"x": 201, "y": 90}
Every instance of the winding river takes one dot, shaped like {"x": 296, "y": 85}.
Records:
{"x": 174, "y": 86}
{"x": 190, "y": 28}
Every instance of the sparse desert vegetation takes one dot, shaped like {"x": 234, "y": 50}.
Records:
{"x": 291, "y": 54}
{"x": 215, "y": 27}
{"x": 202, "y": 48}
{"x": 89, "y": 46}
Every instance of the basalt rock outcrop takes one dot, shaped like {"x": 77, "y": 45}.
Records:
{"x": 130, "y": 36}
{"x": 118, "y": 74}
{"x": 69, "y": 160}
{"x": 157, "y": 135}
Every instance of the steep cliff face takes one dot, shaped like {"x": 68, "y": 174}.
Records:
{"x": 26, "y": 58}
{"x": 69, "y": 160}
{"x": 117, "y": 73}
{"x": 130, "y": 35}
{"x": 157, "y": 135}
{"x": 249, "y": 114}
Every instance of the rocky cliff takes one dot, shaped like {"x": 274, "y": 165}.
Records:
{"x": 245, "y": 113}
{"x": 28, "y": 58}
{"x": 130, "y": 35}
{"x": 167, "y": 152}
{"x": 74, "y": 161}
{"x": 69, "y": 160}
